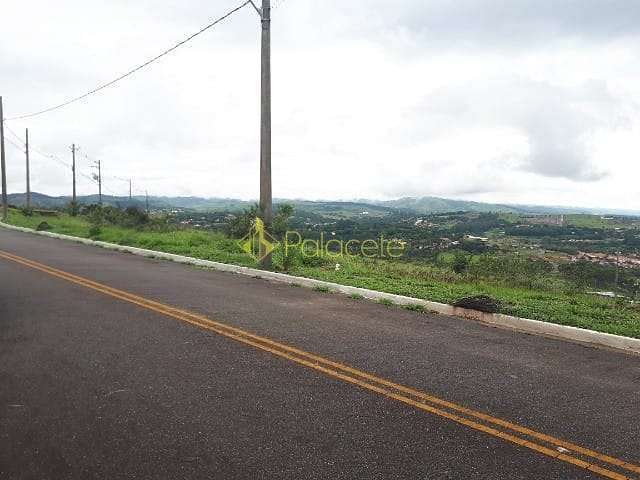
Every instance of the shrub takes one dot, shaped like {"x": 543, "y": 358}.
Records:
{"x": 414, "y": 307}
{"x": 42, "y": 226}
{"x": 289, "y": 260}
{"x": 482, "y": 303}
{"x": 241, "y": 224}
{"x": 95, "y": 231}
{"x": 460, "y": 262}
{"x": 72, "y": 208}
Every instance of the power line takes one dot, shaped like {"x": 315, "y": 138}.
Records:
{"x": 19, "y": 147}
{"x": 134, "y": 70}
{"x": 36, "y": 150}
{"x": 14, "y": 134}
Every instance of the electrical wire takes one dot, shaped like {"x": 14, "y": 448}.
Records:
{"x": 19, "y": 147}
{"x": 14, "y": 134}
{"x": 132, "y": 71}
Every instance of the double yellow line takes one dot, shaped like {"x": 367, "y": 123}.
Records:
{"x": 607, "y": 466}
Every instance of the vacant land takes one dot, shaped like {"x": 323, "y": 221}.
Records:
{"x": 411, "y": 278}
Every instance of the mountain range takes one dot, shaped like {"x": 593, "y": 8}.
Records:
{"x": 420, "y": 206}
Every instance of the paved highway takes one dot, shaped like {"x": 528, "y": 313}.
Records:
{"x": 115, "y": 366}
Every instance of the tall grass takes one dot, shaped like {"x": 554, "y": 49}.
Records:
{"x": 420, "y": 280}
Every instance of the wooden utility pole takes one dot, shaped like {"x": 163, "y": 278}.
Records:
{"x": 99, "y": 182}
{"x": 98, "y": 179}
{"x": 3, "y": 166}
{"x": 26, "y": 153}
{"x": 146, "y": 200}
{"x": 266, "y": 207}
{"x": 130, "y": 196}
{"x": 73, "y": 170}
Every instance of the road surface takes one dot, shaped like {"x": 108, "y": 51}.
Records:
{"x": 115, "y": 366}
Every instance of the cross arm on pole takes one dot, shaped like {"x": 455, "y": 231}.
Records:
{"x": 257, "y": 9}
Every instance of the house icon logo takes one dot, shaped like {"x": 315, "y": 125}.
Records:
{"x": 258, "y": 242}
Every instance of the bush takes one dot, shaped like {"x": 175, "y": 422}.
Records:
{"x": 482, "y": 303}
{"x": 42, "y": 226}
{"x": 72, "y": 208}
{"x": 95, "y": 231}
{"x": 290, "y": 258}
{"x": 241, "y": 224}
{"x": 26, "y": 211}
{"x": 134, "y": 217}
{"x": 460, "y": 262}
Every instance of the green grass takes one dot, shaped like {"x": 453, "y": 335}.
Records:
{"x": 386, "y": 302}
{"x": 590, "y": 221}
{"x": 414, "y": 308}
{"x": 404, "y": 278}
{"x": 205, "y": 245}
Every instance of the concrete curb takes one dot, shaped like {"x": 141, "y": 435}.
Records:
{"x": 525, "y": 325}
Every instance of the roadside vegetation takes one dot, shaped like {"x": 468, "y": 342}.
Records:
{"x": 530, "y": 286}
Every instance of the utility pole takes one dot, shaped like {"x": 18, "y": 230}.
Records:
{"x": 98, "y": 178}
{"x": 266, "y": 208}
{"x": 146, "y": 200}
{"x": 3, "y": 166}
{"x": 130, "y": 196}
{"x": 26, "y": 153}
{"x": 99, "y": 182}
{"x": 73, "y": 170}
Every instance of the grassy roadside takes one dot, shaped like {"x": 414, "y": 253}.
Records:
{"x": 404, "y": 278}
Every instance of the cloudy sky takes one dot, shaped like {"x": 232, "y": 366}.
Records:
{"x": 505, "y": 101}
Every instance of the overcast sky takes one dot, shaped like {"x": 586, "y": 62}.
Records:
{"x": 504, "y": 101}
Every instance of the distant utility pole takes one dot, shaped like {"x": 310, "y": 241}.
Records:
{"x": 100, "y": 182}
{"x": 26, "y": 153}
{"x": 266, "y": 207}
{"x": 3, "y": 167}
{"x": 146, "y": 201}
{"x": 130, "y": 196}
{"x": 98, "y": 178}
{"x": 73, "y": 170}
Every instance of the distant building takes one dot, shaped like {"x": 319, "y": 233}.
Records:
{"x": 477, "y": 239}
{"x": 624, "y": 261}
{"x": 558, "y": 220}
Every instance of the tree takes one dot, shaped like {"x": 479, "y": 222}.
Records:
{"x": 241, "y": 224}
{"x": 460, "y": 262}
{"x": 281, "y": 220}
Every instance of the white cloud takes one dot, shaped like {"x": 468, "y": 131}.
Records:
{"x": 529, "y": 102}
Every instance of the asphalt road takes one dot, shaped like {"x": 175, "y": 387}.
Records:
{"x": 96, "y": 383}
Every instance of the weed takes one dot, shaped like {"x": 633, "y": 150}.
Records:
{"x": 413, "y": 279}
{"x": 414, "y": 307}
{"x": 386, "y": 302}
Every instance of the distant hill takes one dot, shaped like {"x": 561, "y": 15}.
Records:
{"x": 426, "y": 205}
{"x": 336, "y": 209}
